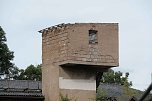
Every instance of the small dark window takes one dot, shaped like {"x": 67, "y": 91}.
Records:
{"x": 93, "y": 37}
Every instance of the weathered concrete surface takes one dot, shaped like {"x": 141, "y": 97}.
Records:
{"x": 69, "y": 57}
{"x": 70, "y": 44}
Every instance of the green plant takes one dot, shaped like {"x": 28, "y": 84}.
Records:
{"x": 65, "y": 98}
{"x": 129, "y": 92}
{"x": 101, "y": 95}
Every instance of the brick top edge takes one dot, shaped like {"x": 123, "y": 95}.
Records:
{"x": 68, "y": 24}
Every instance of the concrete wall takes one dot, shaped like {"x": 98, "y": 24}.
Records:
{"x": 77, "y": 83}
{"x": 50, "y": 82}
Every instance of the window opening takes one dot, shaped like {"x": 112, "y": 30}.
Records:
{"x": 93, "y": 37}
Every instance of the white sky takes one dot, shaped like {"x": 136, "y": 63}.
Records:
{"x": 21, "y": 19}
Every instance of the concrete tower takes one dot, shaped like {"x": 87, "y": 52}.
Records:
{"x": 71, "y": 56}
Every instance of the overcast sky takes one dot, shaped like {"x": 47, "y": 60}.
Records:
{"x": 22, "y": 19}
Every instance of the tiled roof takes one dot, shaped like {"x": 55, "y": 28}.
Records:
{"x": 21, "y": 88}
{"x": 20, "y": 94}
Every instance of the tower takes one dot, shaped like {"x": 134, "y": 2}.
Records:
{"x": 72, "y": 54}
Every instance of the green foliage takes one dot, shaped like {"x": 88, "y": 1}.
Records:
{"x": 14, "y": 72}
{"x": 129, "y": 92}
{"x": 33, "y": 72}
{"x": 116, "y": 77}
{"x": 8, "y": 69}
{"x": 101, "y": 95}
{"x": 65, "y": 98}
{"x": 6, "y": 56}
{"x": 20, "y": 75}
{"x": 30, "y": 73}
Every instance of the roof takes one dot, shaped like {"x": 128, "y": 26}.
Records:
{"x": 116, "y": 90}
{"x": 63, "y": 26}
{"x": 21, "y": 88}
{"x": 55, "y": 27}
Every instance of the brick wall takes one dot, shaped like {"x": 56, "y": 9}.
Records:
{"x": 67, "y": 45}
{"x": 70, "y": 44}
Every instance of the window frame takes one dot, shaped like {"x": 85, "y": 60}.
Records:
{"x": 93, "y": 34}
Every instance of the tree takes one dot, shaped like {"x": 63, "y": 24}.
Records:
{"x": 30, "y": 73}
{"x": 14, "y": 72}
{"x": 116, "y": 77}
{"x": 33, "y": 72}
{"x": 6, "y": 56}
{"x": 21, "y": 75}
